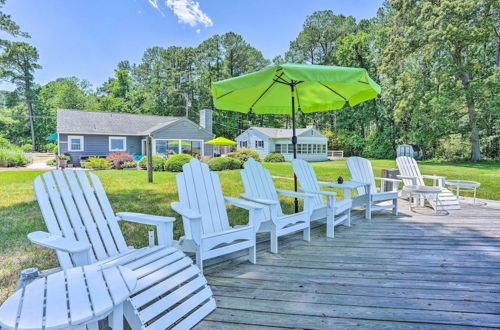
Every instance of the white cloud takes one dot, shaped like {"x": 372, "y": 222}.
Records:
{"x": 188, "y": 12}
{"x": 154, "y": 4}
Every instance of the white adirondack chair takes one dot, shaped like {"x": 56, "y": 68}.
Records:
{"x": 171, "y": 292}
{"x": 334, "y": 212}
{"x": 206, "y": 225}
{"x": 361, "y": 171}
{"x": 410, "y": 174}
{"x": 259, "y": 188}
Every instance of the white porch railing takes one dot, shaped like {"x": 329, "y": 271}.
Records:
{"x": 335, "y": 154}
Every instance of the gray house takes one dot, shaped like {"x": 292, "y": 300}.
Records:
{"x": 311, "y": 144}
{"x": 82, "y": 134}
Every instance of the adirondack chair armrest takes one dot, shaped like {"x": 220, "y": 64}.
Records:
{"x": 247, "y": 205}
{"x": 388, "y": 179}
{"x": 410, "y": 177}
{"x": 185, "y": 211}
{"x": 320, "y": 192}
{"x": 435, "y": 177}
{"x": 307, "y": 197}
{"x": 267, "y": 202}
{"x": 146, "y": 219}
{"x": 325, "y": 184}
{"x": 193, "y": 217}
{"x": 58, "y": 242}
{"x": 164, "y": 225}
{"x": 330, "y": 195}
{"x": 256, "y": 214}
{"x": 80, "y": 251}
{"x": 296, "y": 194}
{"x": 396, "y": 182}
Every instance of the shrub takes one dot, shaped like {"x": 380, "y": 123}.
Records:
{"x": 158, "y": 163}
{"x": 118, "y": 158}
{"x": 63, "y": 157}
{"x": 129, "y": 165}
{"x": 51, "y": 162}
{"x": 4, "y": 143}
{"x": 10, "y": 158}
{"x": 26, "y": 148}
{"x": 97, "y": 163}
{"x": 175, "y": 162}
{"x": 274, "y": 157}
{"x": 224, "y": 163}
{"x": 243, "y": 154}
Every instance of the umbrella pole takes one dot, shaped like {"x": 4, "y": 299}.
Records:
{"x": 294, "y": 145}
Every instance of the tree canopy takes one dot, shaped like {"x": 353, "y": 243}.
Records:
{"x": 438, "y": 63}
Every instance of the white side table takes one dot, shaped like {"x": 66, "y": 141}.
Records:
{"x": 347, "y": 186}
{"x": 469, "y": 186}
{"x": 74, "y": 298}
{"x": 420, "y": 191}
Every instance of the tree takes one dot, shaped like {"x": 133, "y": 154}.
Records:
{"x": 8, "y": 26}
{"x": 316, "y": 43}
{"x": 18, "y": 64}
{"x": 456, "y": 42}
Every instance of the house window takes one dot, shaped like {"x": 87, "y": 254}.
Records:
{"x": 309, "y": 148}
{"x": 290, "y": 148}
{"x": 259, "y": 144}
{"x": 243, "y": 144}
{"x": 117, "y": 143}
{"x": 75, "y": 143}
{"x": 277, "y": 148}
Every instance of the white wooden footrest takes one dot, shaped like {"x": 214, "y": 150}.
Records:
{"x": 171, "y": 291}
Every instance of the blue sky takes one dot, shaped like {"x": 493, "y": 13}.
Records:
{"x": 88, "y": 38}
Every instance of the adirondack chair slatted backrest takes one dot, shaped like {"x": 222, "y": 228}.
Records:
{"x": 73, "y": 208}
{"x": 200, "y": 190}
{"x": 361, "y": 171}
{"x": 408, "y": 167}
{"x": 307, "y": 178}
{"x": 259, "y": 184}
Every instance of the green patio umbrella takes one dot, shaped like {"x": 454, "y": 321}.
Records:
{"x": 52, "y": 137}
{"x": 287, "y": 88}
{"x": 221, "y": 141}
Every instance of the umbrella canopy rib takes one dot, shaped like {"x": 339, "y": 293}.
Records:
{"x": 333, "y": 91}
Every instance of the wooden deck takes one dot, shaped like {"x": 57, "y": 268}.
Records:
{"x": 416, "y": 270}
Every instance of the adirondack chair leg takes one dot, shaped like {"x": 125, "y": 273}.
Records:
{"x": 330, "y": 228}
{"x": 307, "y": 234}
{"x": 395, "y": 206}
{"x": 368, "y": 210}
{"x": 116, "y": 318}
{"x": 252, "y": 255}
{"x": 274, "y": 240}
{"x": 199, "y": 260}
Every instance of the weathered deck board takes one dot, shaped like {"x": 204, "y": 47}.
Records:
{"x": 415, "y": 271}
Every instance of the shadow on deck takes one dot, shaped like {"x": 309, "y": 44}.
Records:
{"x": 415, "y": 270}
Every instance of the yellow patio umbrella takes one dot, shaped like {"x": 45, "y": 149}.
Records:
{"x": 221, "y": 141}
{"x": 184, "y": 143}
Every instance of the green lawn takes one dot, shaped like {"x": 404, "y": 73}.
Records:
{"x": 128, "y": 191}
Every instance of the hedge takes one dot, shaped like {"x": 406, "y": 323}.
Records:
{"x": 224, "y": 163}
{"x": 274, "y": 157}
{"x": 174, "y": 163}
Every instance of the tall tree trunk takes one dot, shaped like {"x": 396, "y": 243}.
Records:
{"x": 471, "y": 110}
{"x": 498, "y": 48}
{"x": 32, "y": 126}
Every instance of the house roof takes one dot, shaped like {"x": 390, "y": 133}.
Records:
{"x": 281, "y": 133}
{"x": 109, "y": 123}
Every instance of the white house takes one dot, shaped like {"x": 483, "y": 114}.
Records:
{"x": 311, "y": 144}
